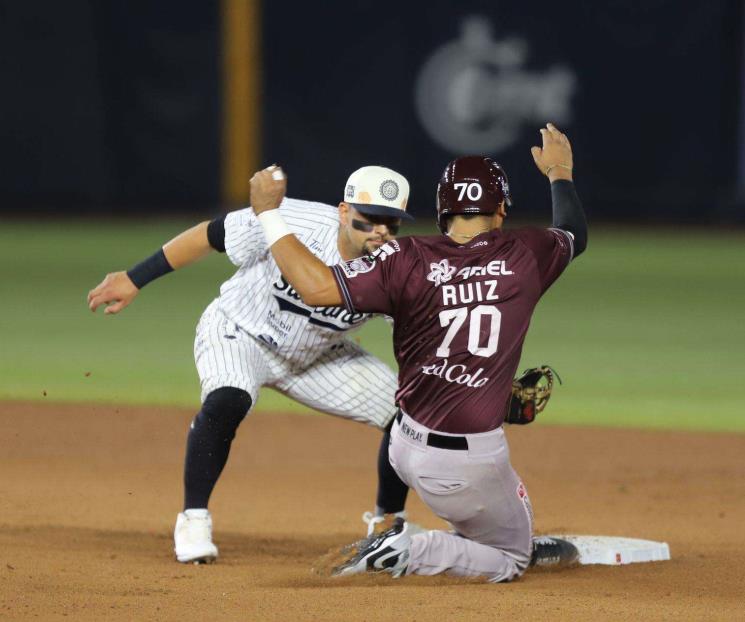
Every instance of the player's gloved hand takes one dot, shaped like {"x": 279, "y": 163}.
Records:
{"x": 116, "y": 291}
{"x": 268, "y": 188}
{"x": 554, "y": 159}
{"x": 530, "y": 394}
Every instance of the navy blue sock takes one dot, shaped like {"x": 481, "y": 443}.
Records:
{"x": 392, "y": 491}
{"x": 209, "y": 440}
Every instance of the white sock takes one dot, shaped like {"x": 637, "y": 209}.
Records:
{"x": 197, "y": 513}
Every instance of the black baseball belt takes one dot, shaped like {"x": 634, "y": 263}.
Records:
{"x": 440, "y": 440}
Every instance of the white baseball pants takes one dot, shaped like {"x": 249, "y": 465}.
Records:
{"x": 343, "y": 380}
{"x": 478, "y": 492}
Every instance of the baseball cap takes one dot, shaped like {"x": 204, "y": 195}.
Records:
{"x": 378, "y": 191}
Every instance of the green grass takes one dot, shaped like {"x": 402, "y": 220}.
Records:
{"x": 646, "y": 329}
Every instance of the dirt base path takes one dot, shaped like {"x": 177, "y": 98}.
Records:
{"x": 89, "y": 495}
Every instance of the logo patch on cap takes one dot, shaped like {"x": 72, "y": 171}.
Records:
{"x": 349, "y": 192}
{"x": 389, "y": 189}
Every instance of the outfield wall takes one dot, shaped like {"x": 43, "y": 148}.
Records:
{"x": 167, "y": 106}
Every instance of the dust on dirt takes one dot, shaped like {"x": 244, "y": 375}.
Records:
{"x": 89, "y": 496}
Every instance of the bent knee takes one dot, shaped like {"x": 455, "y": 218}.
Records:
{"x": 519, "y": 563}
{"x": 227, "y": 403}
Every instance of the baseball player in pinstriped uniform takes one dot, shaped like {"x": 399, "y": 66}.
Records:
{"x": 258, "y": 332}
{"x": 461, "y": 304}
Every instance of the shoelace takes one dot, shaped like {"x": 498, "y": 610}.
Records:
{"x": 371, "y": 520}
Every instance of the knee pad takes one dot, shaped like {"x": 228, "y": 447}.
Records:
{"x": 225, "y": 407}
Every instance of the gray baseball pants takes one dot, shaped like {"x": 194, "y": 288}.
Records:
{"x": 478, "y": 492}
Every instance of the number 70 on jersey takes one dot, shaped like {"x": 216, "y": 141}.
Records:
{"x": 454, "y": 319}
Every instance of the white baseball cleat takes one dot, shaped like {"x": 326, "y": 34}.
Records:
{"x": 193, "y": 537}
{"x": 387, "y": 552}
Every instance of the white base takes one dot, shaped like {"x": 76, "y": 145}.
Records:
{"x": 613, "y": 551}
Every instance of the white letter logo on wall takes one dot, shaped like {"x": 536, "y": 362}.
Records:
{"x": 474, "y": 95}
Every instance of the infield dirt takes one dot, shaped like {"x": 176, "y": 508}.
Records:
{"x": 89, "y": 495}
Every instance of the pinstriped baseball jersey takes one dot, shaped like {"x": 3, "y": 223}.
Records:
{"x": 259, "y": 300}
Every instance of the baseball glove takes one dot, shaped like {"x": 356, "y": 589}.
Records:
{"x": 530, "y": 394}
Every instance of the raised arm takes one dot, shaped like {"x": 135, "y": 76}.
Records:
{"x": 119, "y": 289}
{"x": 555, "y": 161}
{"x": 308, "y": 275}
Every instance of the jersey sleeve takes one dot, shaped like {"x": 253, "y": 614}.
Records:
{"x": 367, "y": 284}
{"x": 553, "y": 250}
{"x": 244, "y": 237}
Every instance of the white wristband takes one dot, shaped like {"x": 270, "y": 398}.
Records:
{"x": 274, "y": 226}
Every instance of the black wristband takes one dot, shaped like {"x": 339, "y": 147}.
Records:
{"x": 150, "y": 269}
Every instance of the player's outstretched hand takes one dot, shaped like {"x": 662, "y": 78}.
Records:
{"x": 554, "y": 159}
{"x": 268, "y": 188}
{"x": 116, "y": 291}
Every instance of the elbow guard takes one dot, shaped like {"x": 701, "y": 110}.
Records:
{"x": 216, "y": 234}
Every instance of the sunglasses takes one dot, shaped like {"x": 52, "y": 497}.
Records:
{"x": 367, "y": 227}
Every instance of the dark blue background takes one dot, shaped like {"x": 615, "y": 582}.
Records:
{"x": 118, "y": 104}
{"x": 110, "y": 103}
{"x": 655, "y": 108}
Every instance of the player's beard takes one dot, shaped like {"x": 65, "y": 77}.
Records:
{"x": 371, "y": 245}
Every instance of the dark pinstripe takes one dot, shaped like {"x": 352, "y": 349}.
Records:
{"x": 312, "y": 364}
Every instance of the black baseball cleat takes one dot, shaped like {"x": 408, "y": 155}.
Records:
{"x": 375, "y": 526}
{"x": 386, "y": 552}
{"x": 553, "y": 553}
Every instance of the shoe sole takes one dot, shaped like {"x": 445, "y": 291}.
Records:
{"x": 198, "y": 560}
{"x": 201, "y": 559}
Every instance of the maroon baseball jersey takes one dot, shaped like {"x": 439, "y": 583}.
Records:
{"x": 461, "y": 313}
